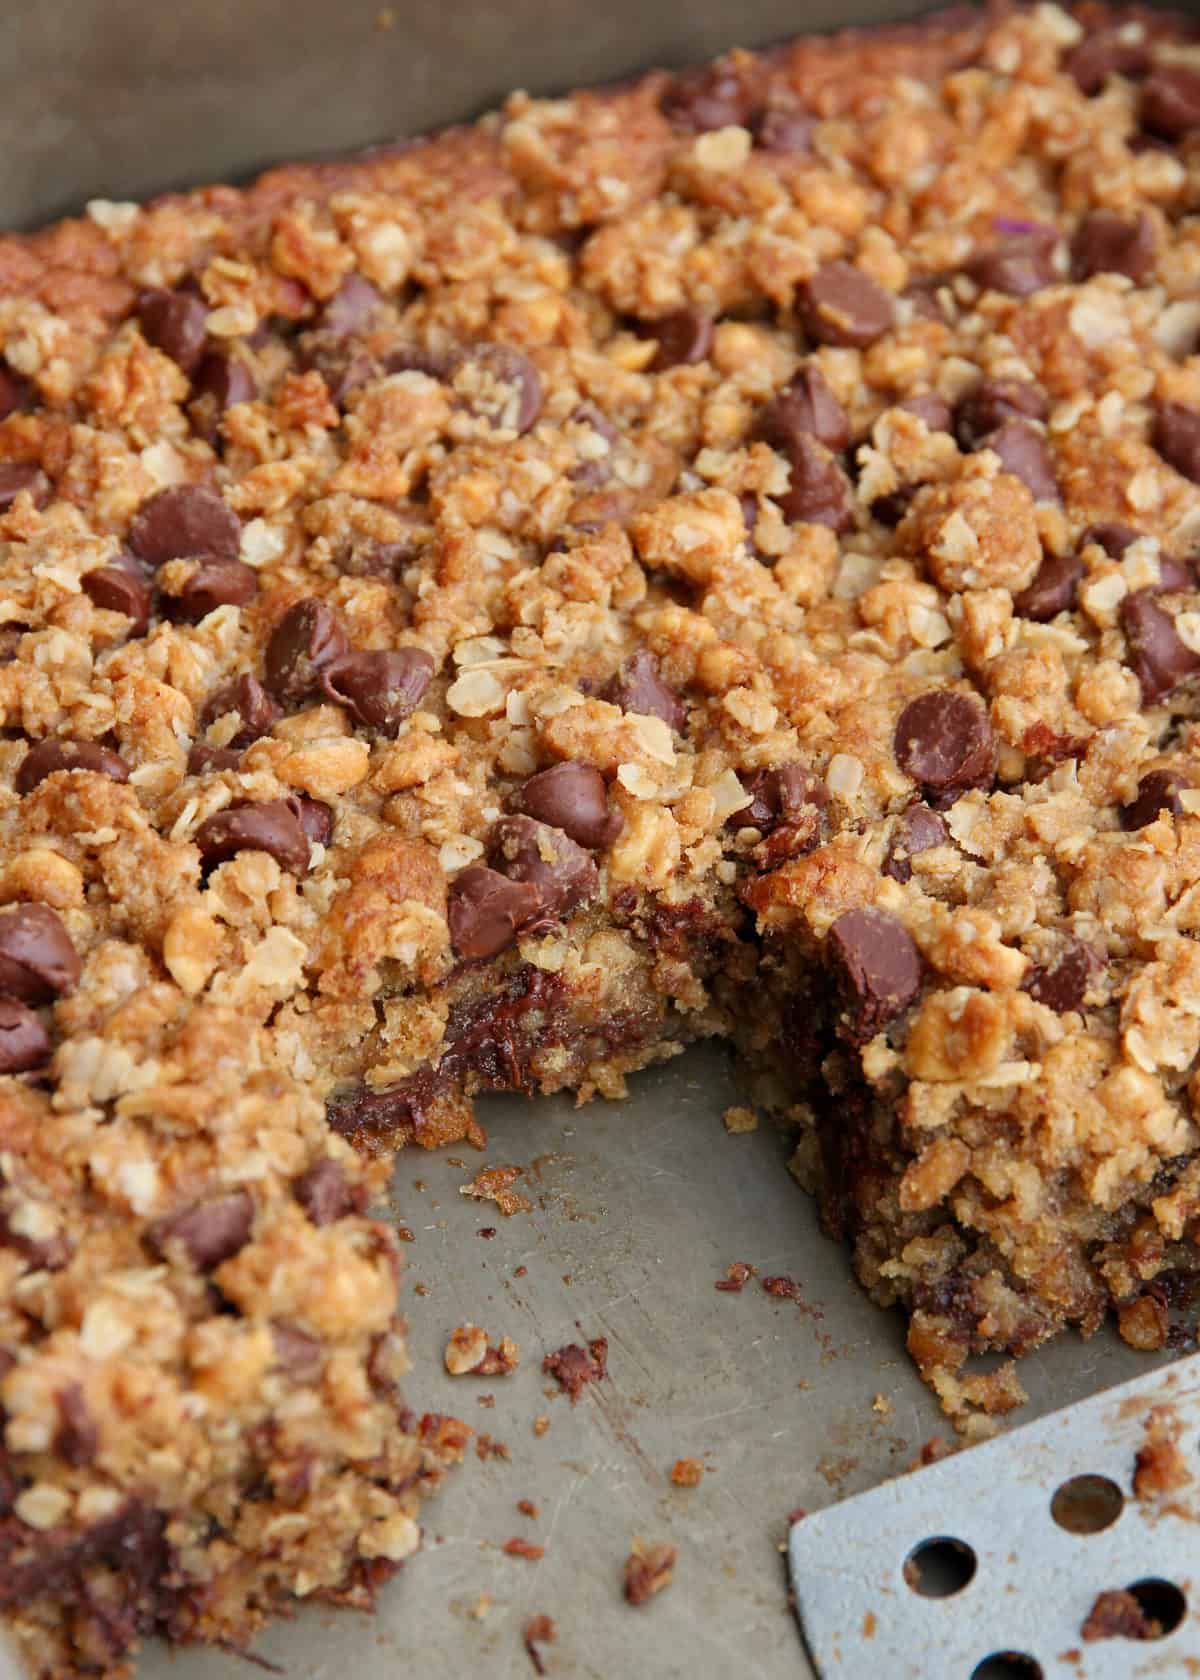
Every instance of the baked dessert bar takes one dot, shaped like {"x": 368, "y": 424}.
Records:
{"x": 712, "y": 556}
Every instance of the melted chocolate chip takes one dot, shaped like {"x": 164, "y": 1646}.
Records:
{"x": 296, "y": 1352}
{"x": 638, "y": 687}
{"x": 307, "y": 638}
{"x": 1052, "y": 591}
{"x": 59, "y": 753}
{"x": 174, "y": 322}
{"x": 1024, "y": 452}
{"x": 987, "y": 406}
{"x": 778, "y": 795}
{"x": 24, "y": 1041}
{"x": 272, "y": 826}
{"x": 932, "y": 409}
{"x": 224, "y": 378}
{"x": 16, "y": 393}
{"x": 485, "y": 910}
{"x": 1113, "y": 538}
{"x": 325, "y": 1193}
{"x": 1177, "y": 438}
{"x": 708, "y": 96}
{"x": 783, "y": 128}
{"x": 1063, "y": 983}
{"x": 379, "y": 689}
{"x": 348, "y": 312}
{"x": 683, "y": 337}
{"x": 1156, "y": 655}
{"x": 1170, "y": 106}
{"x": 876, "y": 967}
{"x": 76, "y": 1439}
{"x": 562, "y": 873}
{"x": 513, "y": 372}
{"x": 594, "y": 471}
{"x": 944, "y": 741}
{"x": 819, "y": 492}
{"x": 806, "y": 407}
{"x": 183, "y": 521}
{"x": 1019, "y": 265}
{"x": 213, "y": 584}
{"x": 120, "y": 587}
{"x": 417, "y": 358}
{"x": 917, "y": 829}
{"x": 1106, "y": 243}
{"x": 316, "y": 819}
{"x": 574, "y": 798}
{"x": 249, "y": 699}
{"x": 1158, "y": 791}
{"x": 842, "y": 305}
{"x": 16, "y": 476}
{"x": 37, "y": 959}
{"x": 1100, "y": 56}
{"x": 205, "y": 760}
{"x": 206, "y": 1233}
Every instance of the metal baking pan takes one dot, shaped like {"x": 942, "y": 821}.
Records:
{"x": 638, "y": 1207}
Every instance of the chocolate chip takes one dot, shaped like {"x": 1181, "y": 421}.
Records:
{"x": 573, "y": 797}
{"x": 485, "y": 910}
{"x": 307, "y": 638}
{"x": 59, "y": 753}
{"x": 1100, "y": 56}
{"x": 417, "y": 358}
{"x": 272, "y": 826}
{"x": 1171, "y": 101}
{"x": 76, "y": 1438}
{"x": 1024, "y": 452}
{"x": 213, "y": 584}
{"x": 15, "y": 393}
{"x": 783, "y": 128}
{"x": 842, "y": 305}
{"x": 928, "y": 298}
{"x": 1112, "y": 537}
{"x": 511, "y": 370}
{"x": 778, "y": 795}
{"x": 1052, "y": 591}
{"x": 1177, "y": 438}
{"x": 638, "y": 687}
{"x": 1019, "y": 265}
{"x": 296, "y": 1352}
{"x": 1155, "y": 653}
{"x": 1063, "y": 983}
{"x": 120, "y": 587}
{"x": 182, "y": 521}
{"x": 254, "y": 706}
{"x": 987, "y": 406}
{"x": 917, "y": 829}
{"x": 174, "y": 322}
{"x": 806, "y": 407}
{"x": 684, "y": 337}
{"x": 819, "y": 492}
{"x": 562, "y": 873}
{"x": 1106, "y": 243}
{"x": 345, "y": 368}
{"x": 594, "y": 470}
{"x": 929, "y": 407}
{"x": 350, "y": 309}
{"x": 1174, "y": 574}
{"x": 24, "y": 1041}
{"x": 37, "y": 959}
{"x": 876, "y": 967}
{"x": 205, "y": 760}
{"x": 316, "y": 819}
{"x": 944, "y": 741}
{"x": 225, "y": 379}
{"x": 207, "y": 1232}
{"x": 325, "y": 1193}
{"x": 890, "y": 509}
{"x": 708, "y": 96}
{"x": 16, "y": 476}
{"x": 1158, "y": 790}
{"x": 381, "y": 688}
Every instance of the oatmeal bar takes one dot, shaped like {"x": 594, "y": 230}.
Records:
{"x": 713, "y": 556}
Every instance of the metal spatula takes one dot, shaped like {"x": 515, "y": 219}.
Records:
{"x": 989, "y": 1564}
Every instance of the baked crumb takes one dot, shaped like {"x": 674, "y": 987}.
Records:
{"x": 1118, "y": 1615}
{"x": 495, "y": 1184}
{"x": 1160, "y": 1467}
{"x": 574, "y": 1366}
{"x": 687, "y": 1472}
{"x": 648, "y": 1569}
{"x": 516, "y": 1547}
{"x": 469, "y": 1353}
{"x": 738, "y": 1120}
{"x": 538, "y": 1630}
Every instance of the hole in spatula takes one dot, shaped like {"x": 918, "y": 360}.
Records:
{"x": 1162, "y": 1603}
{"x": 1087, "y": 1504}
{"x": 940, "y": 1567}
{"x": 1008, "y": 1665}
